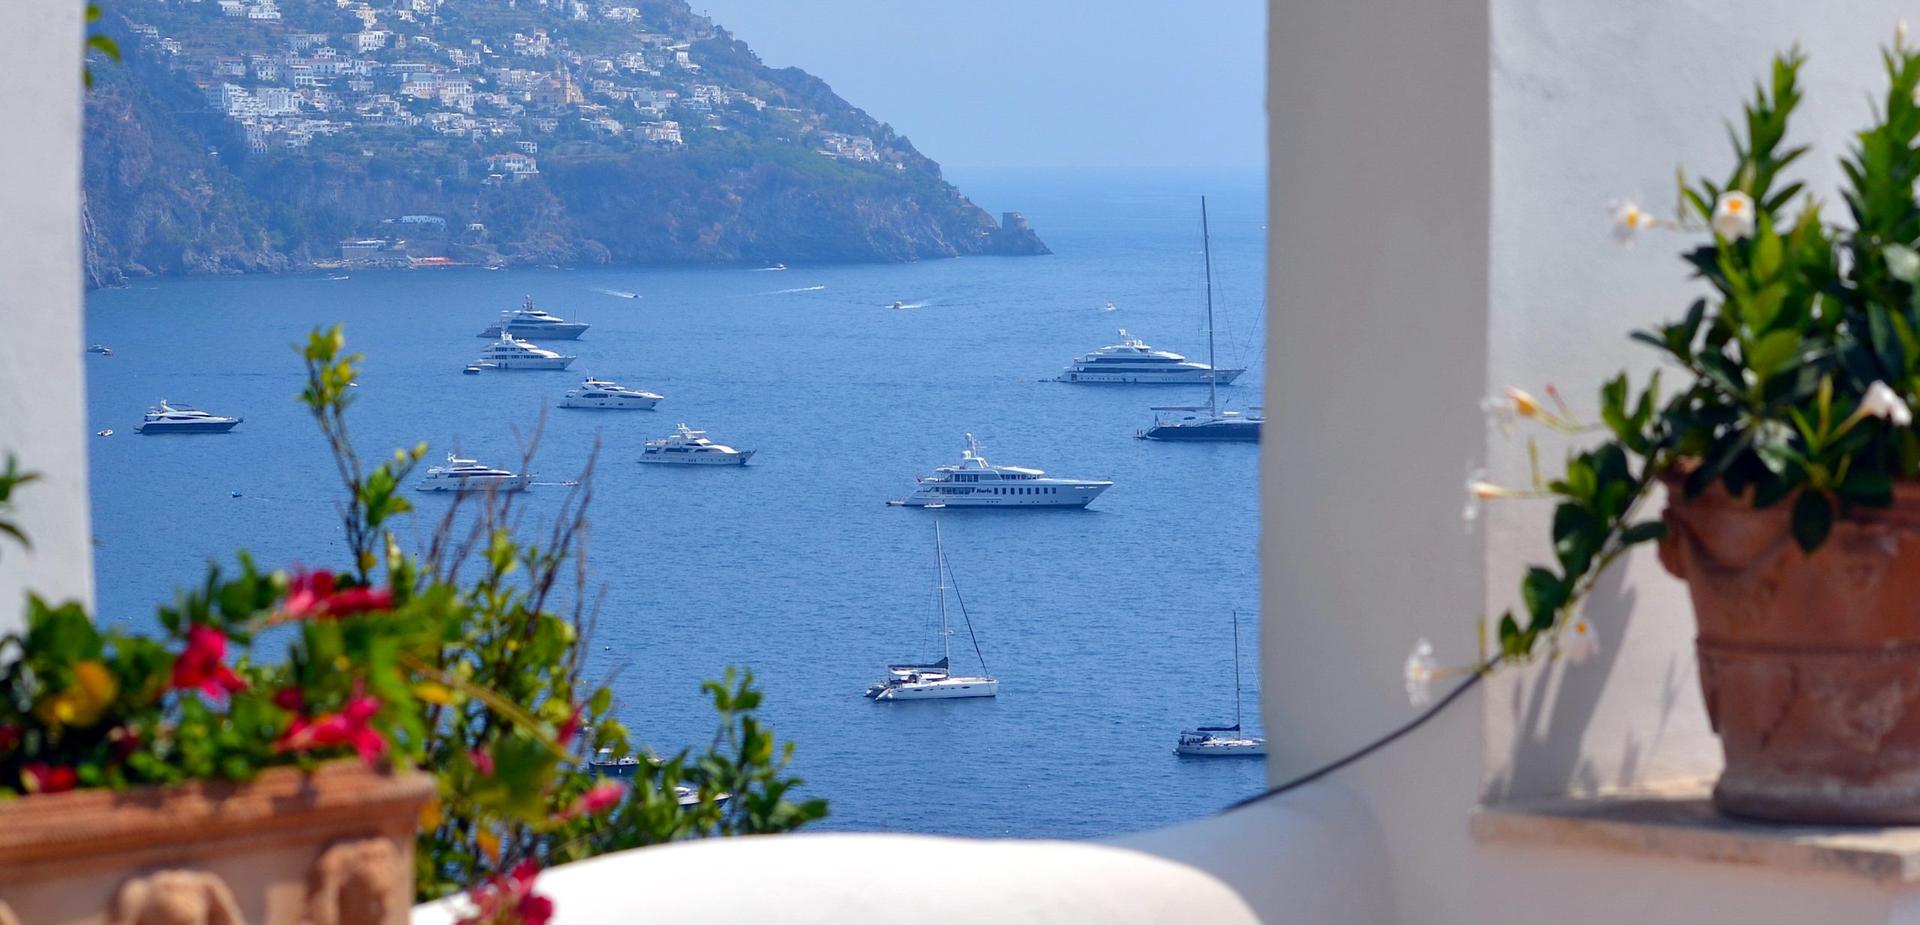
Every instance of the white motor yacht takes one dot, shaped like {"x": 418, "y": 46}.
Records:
{"x": 167, "y": 418}
{"x": 530, "y": 322}
{"x": 603, "y": 393}
{"x": 1132, "y": 361}
{"x": 462, "y": 474}
{"x": 1223, "y": 741}
{"x": 689, "y": 447}
{"x": 510, "y": 352}
{"x": 974, "y": 482}
{"x": 937, "y": 680}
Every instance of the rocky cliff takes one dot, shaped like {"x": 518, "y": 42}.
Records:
{"x": 250, "y": 136}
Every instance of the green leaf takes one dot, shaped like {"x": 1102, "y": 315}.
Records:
{"x": 1543, "y": 592}
{"x": 1903, "y": 262}
{"x": 1812, "y": 520}
{"x": 1773, "y": 349}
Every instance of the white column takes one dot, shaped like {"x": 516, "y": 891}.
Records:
{"x": 42, "y": 385}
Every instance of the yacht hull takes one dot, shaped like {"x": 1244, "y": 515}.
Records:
{"x": 1208, "y": 432}
{"x": 697, "y": 459}
{"x": 1240, "y": 749}
{"x": 1155, "y": 377}
{"x": 192, "y": 427}
{"x": 464, "y": 485}
{"x": 541, "y": 363}
{"x": 611, "y": 404}
{"x": 949, "y": 689}
{"x": 1067, "y": 496}
{"x": 540, "y": 332}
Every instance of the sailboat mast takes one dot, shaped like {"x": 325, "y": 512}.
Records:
{"x": 940, "y": 592}
{"x": 1236, "y": 668}
{"x": 1206, "y": 248}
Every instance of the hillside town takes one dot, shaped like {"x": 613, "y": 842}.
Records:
{"x": 478, "y": 72}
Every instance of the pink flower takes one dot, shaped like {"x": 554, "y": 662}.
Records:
{"x": 312, "y": 594}
{"x": 290, "y": 699}
{"x": 600, "y": 798}
{"x": 482, "y": 761}
{"x": 570, "y": 728}
{"x": 40, "y": 777}
{"x": 202, "y": 664}
{"x": 350, "y": 726}
{"x": 509, "y": 899}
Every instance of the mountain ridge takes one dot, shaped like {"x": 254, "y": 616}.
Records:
{"x": 263, "y": 136}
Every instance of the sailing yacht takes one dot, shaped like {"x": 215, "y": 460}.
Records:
{"x": 937, "y": 681}
{"x": 1223, "y": 741}
{"x": 1215, "y": 425}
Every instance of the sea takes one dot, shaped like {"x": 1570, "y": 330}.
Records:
{"x": 1109, "y": 629}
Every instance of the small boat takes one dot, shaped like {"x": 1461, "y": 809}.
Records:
{"x": 461, "y": 474}
{"x": 101, "y": 349}
{"x": 1215, "y": 425}
{"x": 166, "y": 418}
{"x": 689, "y": 447}
{"x": 605, "y": 393}
{"x": 107, "y": 432}
{"x": 897, "y": 304}
{"x": 936, "y": 681}
{"x": 530, "y": 320}
{"x": 974, "y": 482}
{"x": 473, "y": 369}
{"x": 1223, "y": 741}
{"x": 604, "y": 764}
{"x": 510, "y": 352}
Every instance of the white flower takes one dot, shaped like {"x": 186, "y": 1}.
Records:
{"x": 1882, "y": 401}
{"x": 1580, "y": 643}
{"x": 1629, "y": 220}
{"x": 1506, "y": 409}
{"x": 1420, "y": 672}
{"x": 1733, "y": 215}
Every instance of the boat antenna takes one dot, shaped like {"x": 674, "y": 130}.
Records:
{"x": 1206, "y": 248}
{"x": 1236, "y": 669}
{"x": 962, "y": 601}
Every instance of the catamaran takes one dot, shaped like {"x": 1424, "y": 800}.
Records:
{"x": 1215, "y": 425}
{"x": 936, "y": 681}
{"x": 1224, "y": 741}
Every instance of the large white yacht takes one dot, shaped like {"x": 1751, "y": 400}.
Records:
{"x": 166, "y": 418}
{"x": 604, "y": 393}
{"x": 689, "y": 447}
{"x": 529, "y": 321}
{"x": 974, "y": 482}
{"x": 937, "y": 681}
{"x": 1131, "y": 361}
{"x": 510, "y": 352}
{"x": 462, "y": 474}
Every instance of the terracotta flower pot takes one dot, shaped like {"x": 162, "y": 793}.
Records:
{"x": 331, "y": 848}
{"x": 1810, "y": 664}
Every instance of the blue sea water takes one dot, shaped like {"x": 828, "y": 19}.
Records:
{"x": 1108, "y": 628}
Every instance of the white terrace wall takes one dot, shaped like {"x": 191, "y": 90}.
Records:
{"x": 42, "y": 388}
{"x": 1439, "y": 223}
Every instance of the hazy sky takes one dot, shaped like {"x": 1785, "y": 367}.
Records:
{"x": 1034, "y": 83}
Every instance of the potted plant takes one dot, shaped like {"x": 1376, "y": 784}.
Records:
{"x": 184, "y": 778}
{"x": 1790, "y": 467}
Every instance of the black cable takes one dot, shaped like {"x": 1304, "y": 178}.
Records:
{"x": 1371, "y": 747}
{"x": 963, "y": 611}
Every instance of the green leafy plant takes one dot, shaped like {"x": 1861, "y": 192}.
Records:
{"x": 97, "y": 42}
{"x": 1800, "y": 366}
{"x": 11, "y": 478}
{"x": 398, "y": 660}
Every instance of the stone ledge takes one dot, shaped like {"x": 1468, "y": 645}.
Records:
{"x": 1677, "y": 820}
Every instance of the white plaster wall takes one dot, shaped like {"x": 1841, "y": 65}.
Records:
{"x": 1377, "y": 288}
{"x": 42, "y": 388}
{"x": 1591, "y": 102}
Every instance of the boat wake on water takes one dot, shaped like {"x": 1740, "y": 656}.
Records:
{"x": 618, "y": 293}
{"x": 794, "y": 290}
